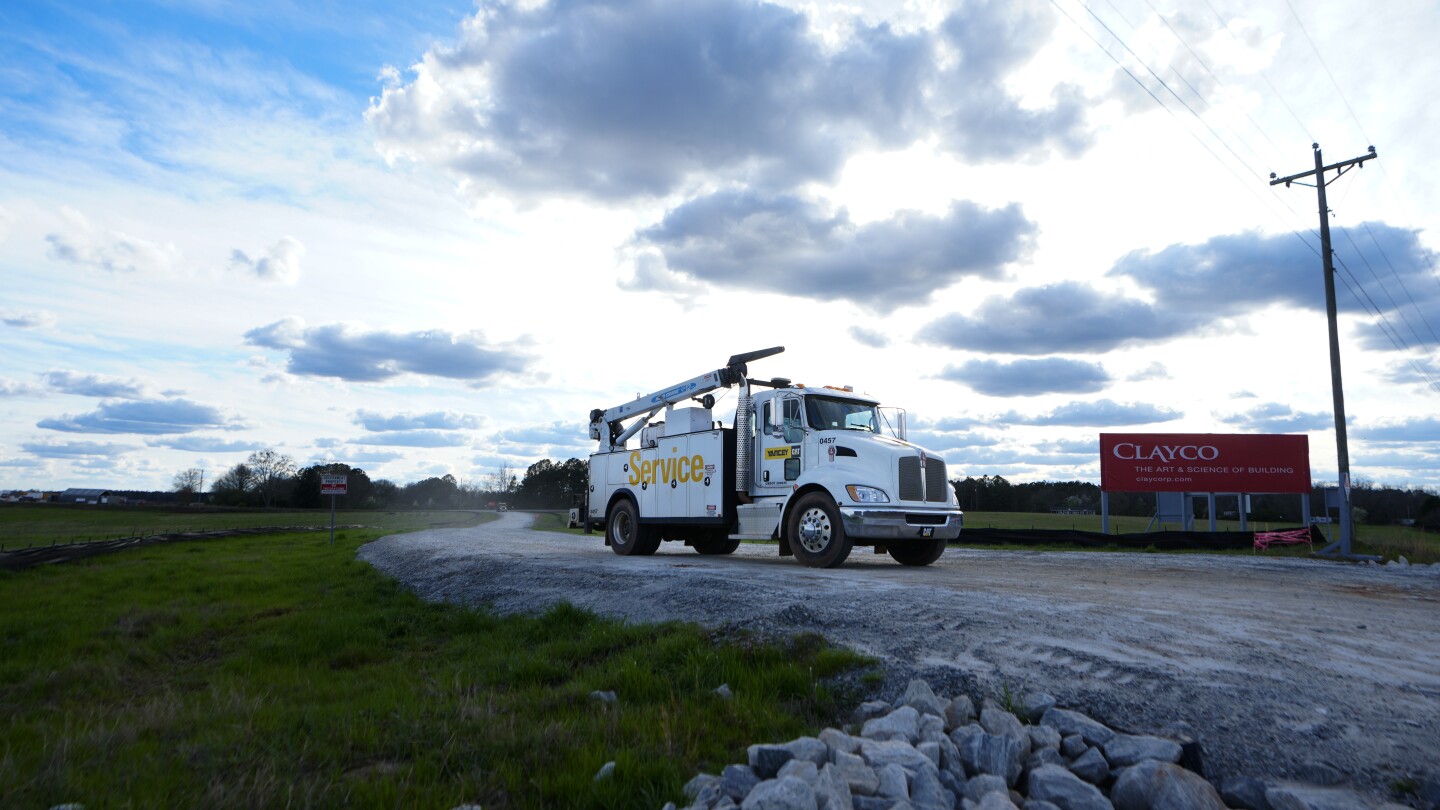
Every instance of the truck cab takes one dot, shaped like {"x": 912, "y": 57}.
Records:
{"x": 827, "y": 455}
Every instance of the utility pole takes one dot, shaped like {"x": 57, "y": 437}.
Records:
{"x": 1342, "y": 444}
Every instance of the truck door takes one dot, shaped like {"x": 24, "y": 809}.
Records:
{"x": 780, "y": 443}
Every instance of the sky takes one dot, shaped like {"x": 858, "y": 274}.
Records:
{"x": 428, "y": 238}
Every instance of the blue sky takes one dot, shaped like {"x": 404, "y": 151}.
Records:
{"x": 429, "y": 239}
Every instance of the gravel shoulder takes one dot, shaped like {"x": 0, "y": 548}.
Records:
{"x": 1294, "y": 669}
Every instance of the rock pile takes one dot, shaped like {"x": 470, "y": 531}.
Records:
{"x": 924, "y": 753}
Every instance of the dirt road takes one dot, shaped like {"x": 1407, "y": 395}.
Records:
{"x": 1284, "y": 668}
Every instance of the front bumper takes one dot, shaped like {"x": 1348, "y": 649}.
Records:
{"x": 894, "y": 524}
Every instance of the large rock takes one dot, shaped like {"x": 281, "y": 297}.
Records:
{"x": 699, "y": 783}
{"x": 802, "y": 769}
{"x": 1043, "y": 737}
{"x": 993, "y": 754}
{"x": 927, "y": 792}
{"x": 766, "y": 760}
{"x": 1041, "y": 757}
{"x": 1067, "y": 722}
{"x": 901, "y": 724}
{"x": 838, "y": 741}
{"x": 1155, "y": 785}
{"x": 780, "y": 794}
{"x": 736, "y": 781}
{"x": 1091, "y": 766}
{"x": 1128, "y": 749}
{"x": 932, "y": 728}
{"x": 919, "y": 696}
{"x": 976, "y": 788}
{"x": 858, "y": 776}
{"x": 832, "y": 791}
{"x": 1065, "y": 790}
{"x": 879, "y": 754}
{"x": 959, "y": 712}
{"x": 893, "y": 783}
{"x": 999, "y": 721}
{"x": 1033, "y": 706}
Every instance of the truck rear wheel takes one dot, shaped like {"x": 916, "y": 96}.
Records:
{"x": 627, "y": 537}
{"x": 917, "y": 552}
{"x": 816, "y": 534}
{"x": 719, "y": 542}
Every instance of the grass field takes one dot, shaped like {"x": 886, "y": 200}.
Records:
{"x": 24, "y": 525}
{"x": 272, "y": 670}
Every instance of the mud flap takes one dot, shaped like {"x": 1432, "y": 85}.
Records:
{"x": 785, "y": 550}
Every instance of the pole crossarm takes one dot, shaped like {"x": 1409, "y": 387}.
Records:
{"x": 1339, "y": 168}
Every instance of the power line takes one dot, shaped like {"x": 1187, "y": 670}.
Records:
{"x": 1401, "y": 281}
{"x": 1319, "y": 56}
{"x": 1225, "y": 25}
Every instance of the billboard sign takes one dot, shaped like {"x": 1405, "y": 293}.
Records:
{"x": 333, "y": 484}
{"x": 1204, "y": 462}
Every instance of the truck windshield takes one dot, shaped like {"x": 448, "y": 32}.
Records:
{"x": 826, "y": 413}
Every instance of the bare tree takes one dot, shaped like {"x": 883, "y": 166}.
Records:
{"x": 271, "y": 470}
{"x": 232, "y": 487}
{"x": 188, "y": 482}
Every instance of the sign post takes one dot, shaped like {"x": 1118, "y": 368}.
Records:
{"x": 333, "y": 485}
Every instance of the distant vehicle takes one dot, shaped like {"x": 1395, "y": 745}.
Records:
{"x": 502, "y": 508}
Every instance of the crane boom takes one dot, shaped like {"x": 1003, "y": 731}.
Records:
{"x": 650, "y": 404}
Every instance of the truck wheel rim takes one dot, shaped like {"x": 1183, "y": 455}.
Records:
{"x": 621, "y": 535}
{"x": 814, "y": 530}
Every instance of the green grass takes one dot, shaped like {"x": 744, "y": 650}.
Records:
{"x": 24, "y": 525}
{"x": 278, "y": 670}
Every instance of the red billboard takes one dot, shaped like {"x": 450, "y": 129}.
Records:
{"x": 1204, "y": 462}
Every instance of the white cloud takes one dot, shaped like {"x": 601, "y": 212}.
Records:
{"x": 27, "y": 319}
{"x": 357, "y": 353}
{"x": 7, "y": 219}
{"x": 83, "y": 244}
{"x": 152, "y": 417}
{"x": 93, "y": 385}
{"x": 621, "y": 98}
{"x": 280, "y": 264}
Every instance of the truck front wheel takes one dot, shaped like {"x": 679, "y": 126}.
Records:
{"x": 917, "y": 552}
{"x": 627, "y": 537}
{"x": 816, "y": 534}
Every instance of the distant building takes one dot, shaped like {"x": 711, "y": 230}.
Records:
{"x": 87, "y": 496}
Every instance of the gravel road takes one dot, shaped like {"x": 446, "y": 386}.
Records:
{"x": 1296, "y": 669}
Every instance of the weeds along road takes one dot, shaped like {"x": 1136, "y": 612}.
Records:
{"x": 1283, "y": 668}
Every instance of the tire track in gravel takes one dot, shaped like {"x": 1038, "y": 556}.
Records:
{"x": 1284, "y": 668}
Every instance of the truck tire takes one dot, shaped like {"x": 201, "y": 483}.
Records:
{"x": 816, "y": 534}
{"x": 719, "y": 542}
{"x": 917, "y": 552}
{"x": 627, "y": 537}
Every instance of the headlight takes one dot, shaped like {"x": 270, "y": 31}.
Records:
{"x": 861, "y": 494}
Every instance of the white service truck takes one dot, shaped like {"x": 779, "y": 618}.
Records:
{"x": 812, "y": 468}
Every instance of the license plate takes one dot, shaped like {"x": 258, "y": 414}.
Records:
{"x": 928, "y": 531}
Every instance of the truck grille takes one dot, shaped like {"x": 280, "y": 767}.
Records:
{"x": 935, "y": 483}
{"x": 933, "y": 488}
{"x": 911, "y": 488}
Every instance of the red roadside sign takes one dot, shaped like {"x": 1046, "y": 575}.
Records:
{"x": 333, "y": 484}
{"x": 1204, "y": 462}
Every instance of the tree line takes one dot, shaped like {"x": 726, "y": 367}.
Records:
{"x": 272, "y": 479}
{"x": 1372, "y": 504}
{"x": 269, "y": 479}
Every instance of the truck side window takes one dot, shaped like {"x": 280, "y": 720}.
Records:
{"x": 792, "y": 421}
